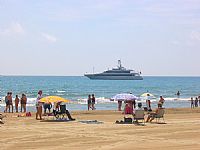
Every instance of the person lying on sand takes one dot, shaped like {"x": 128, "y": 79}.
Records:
{"x": 28, "y": 114}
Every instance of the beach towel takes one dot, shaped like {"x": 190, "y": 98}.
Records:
{"x": 91, "y": 122}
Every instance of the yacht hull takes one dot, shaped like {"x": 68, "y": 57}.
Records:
{"x": 112, "y": 77}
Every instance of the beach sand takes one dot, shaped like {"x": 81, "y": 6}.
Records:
{"x": 181, "y": 132}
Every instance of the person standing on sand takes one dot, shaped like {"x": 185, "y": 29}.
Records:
{"x": 93, "y": 102}
{"x": 10, "y": 103}
{"x": 148, "y": 103}
{"x": 16, "y": 103}
{"x": 196, "y": 102}
{"x": 47, "y": 106}
{"x": 39, "y": 106}
{"x": 119, "y": 105}
{"x": 199, "y": 100}
{"x": 162, "y": 100}
{"x": 192, "y": 102}
{"x": 89, "y": 101}
{"x": 7, "y": 102}
{"x": 23, "y": 102}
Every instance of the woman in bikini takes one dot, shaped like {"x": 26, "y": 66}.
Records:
{"x": 39, "y": 106}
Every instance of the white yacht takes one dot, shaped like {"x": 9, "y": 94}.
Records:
{"x": 119, "y": 73}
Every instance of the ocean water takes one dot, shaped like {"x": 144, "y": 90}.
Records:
{"x": 77, "y": 89}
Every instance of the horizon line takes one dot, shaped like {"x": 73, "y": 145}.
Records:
{"x": 86, "y": 77}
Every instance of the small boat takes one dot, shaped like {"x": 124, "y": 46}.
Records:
{"x": 119, "y": 73}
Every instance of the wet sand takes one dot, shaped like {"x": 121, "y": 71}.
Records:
{"x": 180, "y": 132}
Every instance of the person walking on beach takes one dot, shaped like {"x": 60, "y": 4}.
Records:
{"x": 192, "y": 102}
{"x": 23, "y": 102}
{"x": 16, "y": 103}
{"x": 93, "y": 102}
{"x": 196, "y": 102}
{"x": 39, "y": 106}
{"x": 89, "y": 101}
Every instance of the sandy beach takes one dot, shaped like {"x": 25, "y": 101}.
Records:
{"x": 181, "y": 131}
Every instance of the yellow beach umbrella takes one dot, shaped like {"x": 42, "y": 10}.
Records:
{"x": 147, "y": 94}
{"x": 53, "y": 99}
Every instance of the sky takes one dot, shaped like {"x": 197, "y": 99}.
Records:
{"x": 72, "y": 37}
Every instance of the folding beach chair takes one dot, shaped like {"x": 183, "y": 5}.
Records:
{"x": 139, "y": 115}
{"x": 63, "y": 113}
{"x": 160, "y": 115}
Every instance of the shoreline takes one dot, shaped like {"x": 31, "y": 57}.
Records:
{"x": 182, "y": 125}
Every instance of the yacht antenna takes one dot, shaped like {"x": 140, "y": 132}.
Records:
{"x": 93, "y": 70}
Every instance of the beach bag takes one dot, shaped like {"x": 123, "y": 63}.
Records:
{"x": 28, "y": 114}
{"x": 128, "y": 120}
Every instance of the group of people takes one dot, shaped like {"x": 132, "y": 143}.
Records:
{"x": 130, "y": 109}
{"x": 48, "y": 105}
{"x": 91, "y": 102}
{"x": 132, "y": 103}
{"x": 195, "y": 102}
{"x": 9, "y": 103}
{"x": 148, "y": 103}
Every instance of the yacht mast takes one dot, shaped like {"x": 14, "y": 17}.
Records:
{"x": 119, "y": 63}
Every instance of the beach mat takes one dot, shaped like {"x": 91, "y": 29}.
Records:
{"x": 157, "y": 122}
{"x": 134, "y": 123}
{"x": 91, "y": 122}
{"x": 56, "y": 120}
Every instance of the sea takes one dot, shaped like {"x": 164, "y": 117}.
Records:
{"x": 77, "y": 89}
